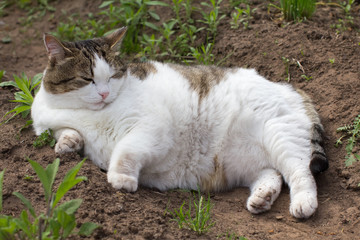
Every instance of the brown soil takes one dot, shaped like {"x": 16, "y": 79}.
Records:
{"x": 142, "y": 215}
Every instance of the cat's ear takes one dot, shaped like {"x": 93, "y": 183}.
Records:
{"x": 114, "y": 39}
{"x": 56, "y": 51}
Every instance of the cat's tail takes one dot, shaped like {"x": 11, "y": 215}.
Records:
{"x": 319, "y": 162}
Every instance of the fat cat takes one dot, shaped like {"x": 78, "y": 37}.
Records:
{"x": 166, "y": 126}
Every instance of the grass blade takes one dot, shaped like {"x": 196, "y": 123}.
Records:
{"x": 1, "y": 185}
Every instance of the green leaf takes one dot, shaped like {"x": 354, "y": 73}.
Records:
{"x": 24, "y": 224}
{"x": 69, "y": 182}
{"x": 70, "y": 207}
{"x": 1, "y": 185}
{"x": 46, "y": 176}
{"x": 26, "y": 202}
{"x": 154, "y": 15}
{"x": 67, "y": 222}
{"x": 7, "y": 227}
{"x": 151, "y": 25}
{"x": 87, "y": 228}
{"x": 105, "y": 4}
{"x": 156, "y": 3}
{"x": 55, "y": 227}
{"x": 8, "y": 84}
{"x": 2, "y": 73}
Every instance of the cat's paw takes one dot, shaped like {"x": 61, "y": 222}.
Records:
{"x": 122, "y": 181}
{"x": 303, "y": 205}
{"x": 70, "y": 141}
{"x": 258, "y": 203}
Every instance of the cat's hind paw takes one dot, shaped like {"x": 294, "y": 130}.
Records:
{"x": 303, "y": 205}
{"x": 69, "y": 141}
{"x": 122, "y": 181}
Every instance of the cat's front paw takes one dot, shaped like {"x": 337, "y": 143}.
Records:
{"x": 70, "y": 141}
{"x": 259, "y": 203}
{"x": 122, "y": 181}
{"x": 303, "y": 205}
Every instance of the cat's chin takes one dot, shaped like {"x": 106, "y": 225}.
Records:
{"x": 97, "y": 106}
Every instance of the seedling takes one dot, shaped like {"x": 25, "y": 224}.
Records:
{"x": 199, "y": 221}
{"x": 58, "y": 222}
{"x": 332, "y": 60}
{"x": 213, "y": 18}
{"x": 28, "y": 88}
{"x": 286, "y": 62}
{"x": 1, "y": 186}
{"x": 231, "y": 236}
{"x": 352, "y": 131}
{"x": 241, "y": 16}
{"x": 203, "y": 54}
{"x": 2, "y": 73}
{"x": 307, "y": 78}
{"x": 45, "y": 138}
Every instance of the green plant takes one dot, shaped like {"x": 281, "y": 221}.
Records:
{"x": 307, "y": 78}
{"x": 352, "y": 131}
{"x": 2, "y": 73}
{"x": 286, "y": 62}
{"x": 28, "y": 88}
{"x": 212, "y": 19}
{"x": 35, "y": 10}
{"x": 1, "y": 186}
{"x": 45, "y": 138}
{"x": 58, "y": 222}
{"x": 296, "y": 10}
{"x": 231, "y": 236}
{"x": 203, "y": 54}
{"x": 199, "y": 221}
{"x": 332, "y": 60}
{"x": 134, "y": 15}
{"x": 241, "y": 16}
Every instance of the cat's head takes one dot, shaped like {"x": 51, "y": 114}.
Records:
{"x": 83, "y": 74}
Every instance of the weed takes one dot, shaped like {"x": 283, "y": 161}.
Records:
{"x": 133, "y": 14}
{"x": 200, "y": 220}
{"x": 332, "y": 60}
{"x": 307, "y": 78}
{"x": 28, "y": 177}
{"x": 45, "y": 138}
{"x": 58, "y": 222}
{"x": 2, "y": 73}
{"x": 352, "y": 131}
{"x": 286, "y": 62}
{"x": 213, "y": 18}
{"x": 231, "y": 236}
{"x": 28, "y": 89}
{"x": 296, "y": 10}
{"x": 241, "y": 16}
{"x": 1, "y": 186}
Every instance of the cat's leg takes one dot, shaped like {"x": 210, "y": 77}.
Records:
{"x": 264, "y": 191}
{"x": 290, "y": 148}
{"x": 68, "y": 140}
{"x": 131, "y": 154}
{"x": 303, "y": 194}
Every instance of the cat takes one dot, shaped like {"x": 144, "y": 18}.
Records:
{"x": 166, "y": 126}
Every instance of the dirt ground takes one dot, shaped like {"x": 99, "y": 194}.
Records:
{"x": 334, "y": 88}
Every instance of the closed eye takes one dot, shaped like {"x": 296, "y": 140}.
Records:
{"x": 117, "y": 75}
{"x": 87, "y": 79}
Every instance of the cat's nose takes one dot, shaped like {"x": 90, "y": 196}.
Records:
{"x": 104, "y": 95}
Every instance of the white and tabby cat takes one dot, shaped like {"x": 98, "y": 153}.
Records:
{"x": 173, "y": 126}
